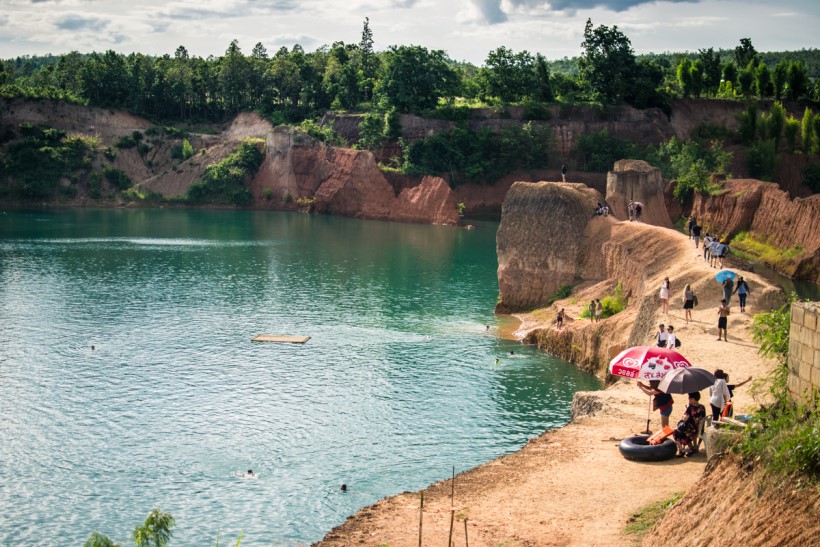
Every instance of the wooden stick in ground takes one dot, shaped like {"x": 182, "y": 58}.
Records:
{"x": 450, "y": 539}
{"x": 453, "y": 488}
{"x": 466, "y": 541}
{"x": 421, "y": 515}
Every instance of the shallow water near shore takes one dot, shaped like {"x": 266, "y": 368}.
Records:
{"x": 397, "y": 385}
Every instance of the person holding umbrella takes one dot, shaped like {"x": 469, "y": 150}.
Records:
{"x": 662, "y": 402}
{"x": 686, "y": 434}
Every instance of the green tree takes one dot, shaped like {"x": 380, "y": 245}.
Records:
{"x": 797, "y": 80}
{"x": 746, "y": 54}
{"x": 791, "y": 132}
{"x": 97, "y": 539}
{"x": 233, "y": 76}
{"x": 710, "y": 61}
{"x": 730, "y": 73}
{"x": 775, "y": 123}
{"x": 368, "y": 61}
{"x": 684, "y": 74}
{"x": 746, "y": 80}
{"x": 607, "y": 63}
{"x": 156, "y": 531}
{"x": 779, "y": 78}
{"x": 507, "y": 75}
{"x": 763, "y": 81}
{"x": 415, "y": 78}
{"x": 807, "y": 127}
{"x": 543, "y": 82}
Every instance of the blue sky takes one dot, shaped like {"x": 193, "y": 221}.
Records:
{"x": 465, "y": 29}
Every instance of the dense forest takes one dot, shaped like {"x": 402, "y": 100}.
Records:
{"x": 292, "y": 85}
{"x": 296, "y": 87}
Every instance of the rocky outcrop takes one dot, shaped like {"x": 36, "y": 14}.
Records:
{"x": 541, "y": 242}
{"x": 636, "y": 180}
{"x": 768, "y": 213}
{"x": 343, "y": 181}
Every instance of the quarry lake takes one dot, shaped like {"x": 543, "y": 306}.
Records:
{"x": 398, "y": 383}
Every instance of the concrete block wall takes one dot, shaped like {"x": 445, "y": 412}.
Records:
{"x": 804, "y": 352}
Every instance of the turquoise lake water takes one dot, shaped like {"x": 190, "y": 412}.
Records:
{"x": 397, "y": 385}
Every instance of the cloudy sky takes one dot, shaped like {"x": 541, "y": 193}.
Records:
{"x": 465, "y": 29}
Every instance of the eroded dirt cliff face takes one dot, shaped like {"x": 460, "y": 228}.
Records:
{"x": 341, "y": 181}
{"x": 730, "y": 505}
{"x": 636, "y": 180}
{"x": 542, "y": 241}
{"x": 769, "y": 213}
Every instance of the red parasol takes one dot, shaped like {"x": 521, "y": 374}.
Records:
{"x": 647, "y": 362}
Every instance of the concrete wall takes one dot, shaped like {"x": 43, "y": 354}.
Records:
{"x": 804, "y": 351}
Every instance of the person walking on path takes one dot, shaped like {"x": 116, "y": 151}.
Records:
{"x": 564, "y": 173}
{"x": 718, "y": 394}
{"x": 723, "y": 320}
{"x": 742, "y": 291}
{"x": 691, "y": 226}
{"x": 696, "y": 229}
{"x": 707, "y": 245}
{"x": 664, "y": 294}
{"x": 689, "y": 297}
{"x": 728, "y": 285}
{"x": 661, "y": 336}
{"x": 714, "y": 251}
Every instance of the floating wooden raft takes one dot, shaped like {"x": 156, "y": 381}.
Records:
{"x": 278, "y": 338}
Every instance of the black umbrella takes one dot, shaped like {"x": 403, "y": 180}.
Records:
{"x": 686, "y": 380}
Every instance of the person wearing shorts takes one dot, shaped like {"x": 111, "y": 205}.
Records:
{"x": 723, "y": 319}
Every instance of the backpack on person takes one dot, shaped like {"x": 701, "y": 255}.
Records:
{"x": 677, "y": 342}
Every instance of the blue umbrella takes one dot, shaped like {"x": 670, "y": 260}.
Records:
{"x": 722, "y": 275}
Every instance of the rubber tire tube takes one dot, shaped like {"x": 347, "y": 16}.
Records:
{"x": 637, "y": 449}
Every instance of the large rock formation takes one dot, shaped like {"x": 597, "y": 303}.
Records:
{"x": 638, "y": 181}
{"x": 346, "y": 182}
{"x": 542, "y": 241}
{"x": 768, "y": 213}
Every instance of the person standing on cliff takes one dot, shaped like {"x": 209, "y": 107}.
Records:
{"x": 631, "y": 210}
{"x": 560, "y": 319}
{"x": 691, "y": 226}
{"x": 664, "y": 294}
{"x": 592, "y": 311}
{"x": 564, "y": 173}
{"x": 599, "y": 309}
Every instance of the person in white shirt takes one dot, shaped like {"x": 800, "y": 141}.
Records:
{"x": 718, "y": 394}
{"x": 661, "y": 336}
{"x": 670, "y": 337}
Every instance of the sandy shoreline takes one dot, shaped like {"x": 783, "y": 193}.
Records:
{"x": 571, "y": 486}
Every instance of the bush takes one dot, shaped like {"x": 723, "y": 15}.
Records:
{"x": 324, "y": 133}
{"x": 224, "y": 182}
{"x": 94, "y": 185}
{"x": 116, "y": 178}
{"x": 610, "y": 304}
{"x": 126, "y": 141}
{"x": 690, "y": 163}
{"x": 597, "y": 151}
{"x": 762, "y": 158}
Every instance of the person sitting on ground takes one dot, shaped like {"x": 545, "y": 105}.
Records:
{"x": 661, "y": 336}
{"x": 662, "y": 402}
{"x": 686, "y": 434}
{"x": 606, "y": 209}
{"x": 599, "y": 210}
{"x": 671, "y": 339}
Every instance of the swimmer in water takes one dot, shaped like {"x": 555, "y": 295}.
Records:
{"x": 497, "y": 361}
{"x": 250, "y": 473}
{"x": 344, "y": 487}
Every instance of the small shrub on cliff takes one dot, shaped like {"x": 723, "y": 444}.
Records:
{"x": 224, "y": 182}
{"x": 748, "y": 246}
{"x": 610, "y": 304}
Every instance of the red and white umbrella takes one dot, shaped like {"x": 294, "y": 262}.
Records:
{"x": 647, "y": 363}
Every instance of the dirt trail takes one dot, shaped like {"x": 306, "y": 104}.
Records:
{"x": 571, "y": 486}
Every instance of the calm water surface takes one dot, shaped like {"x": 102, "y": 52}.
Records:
{"x": 397, "y": 384}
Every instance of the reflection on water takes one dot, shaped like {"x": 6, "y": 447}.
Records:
{"x": 397, "y": 384}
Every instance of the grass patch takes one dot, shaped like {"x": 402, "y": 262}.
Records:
{"x": 645, "y": 518}
{"x": 611, "y": 304}
{"x": 751, "y": 247}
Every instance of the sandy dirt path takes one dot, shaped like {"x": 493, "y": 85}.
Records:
{"x": 571, "y": 486}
